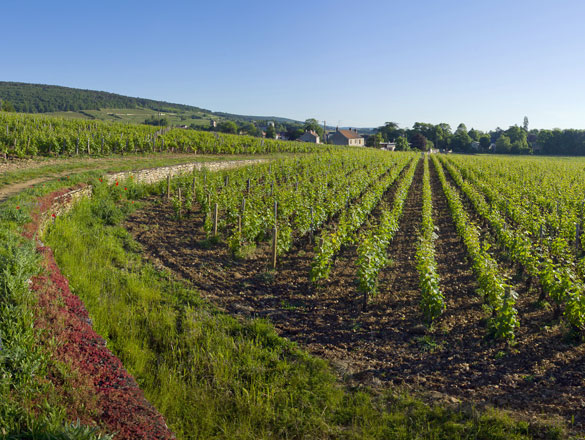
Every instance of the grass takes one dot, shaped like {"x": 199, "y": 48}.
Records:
{"x": 213, "y": 376}
{"x": 111, "y": 163}
{"x": 31, "y": 406}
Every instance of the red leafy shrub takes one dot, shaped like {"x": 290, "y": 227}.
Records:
{"x": 101, "y": 391}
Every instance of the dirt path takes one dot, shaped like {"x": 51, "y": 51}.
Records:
{"x": 386, "y": 345}
{"x": 10, "y": 190}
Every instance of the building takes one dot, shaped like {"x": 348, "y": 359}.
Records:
{"x": 388, "y": 146}
{"x": 309, "y": 136}
{"x": 346, "y": 137}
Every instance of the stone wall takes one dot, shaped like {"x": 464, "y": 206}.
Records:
{"x": 64, "y": 202}
{"x": 153, "y": 175}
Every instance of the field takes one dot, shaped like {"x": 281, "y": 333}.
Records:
{"x": 349, "y": 293}
{"x": 493, "y": 312}
{"x": 139, "y": 115}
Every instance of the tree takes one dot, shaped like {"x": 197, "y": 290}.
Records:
{"x": 270, "y": 132}
{"x": 227, "y": 127}
{"x": 390, "y": 131}
{"x": 443, "y": 135}
{"x": 250, "y": 129}
{"x": 461, "y": 140}
{"x": 525, "y": 124}
{"x": 374, "y": 140}
{"x": 313, "y": 125}
{"x": 503, "y": 145}
{"x": 294, "y": 132}
{"x": 402, "y": 144}
{"x": 485, "y": 142}
{"x": 427, "y": 130}
{"x": 418, "y": 142}
{"x": 7, "y": 106}
{"x": 474, "y": 134}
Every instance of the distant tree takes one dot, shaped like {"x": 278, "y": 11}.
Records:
{"x": 402, "y": 144}
{"x": 270, "y": 132}
{"x": 313, "y": 125}
{"x": 374, "y": 140}
{"x": 461, "y": 141}
{"x": 443, "y": 135}
{"x": 418, "y": 142}
{"x": 503, "y": 145}
{"x": 474, "y": 134}
{"x": 390, "y": 131}
{"x": 250, "y": 129}
{"x": 525, "y": 124}
{"x": 485, "y": 142}
{"x": 427, "y": 130}
{"x": 227, "y": 127}
{"x": 7, "y": 106}
{"x": 158, "y": 122}
{"x": 293, "y": 132}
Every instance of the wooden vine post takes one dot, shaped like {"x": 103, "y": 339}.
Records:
{"x": 240, "y": 218}
{"x": 275, "y": 236}
{"x": 180, "y": 204}
{"x": 215, "y": 217}
{"x": 312, "y": 226}
{"x": 193, "y": 191}
{"x": 168, "y": 187}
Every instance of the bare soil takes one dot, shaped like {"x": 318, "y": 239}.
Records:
{"x": 454, "y": 361}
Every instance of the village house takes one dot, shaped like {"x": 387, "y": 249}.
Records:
{"x": 309, "y": 136}
{"x": 346, "y": 137}
{"x": 388, "y": 146}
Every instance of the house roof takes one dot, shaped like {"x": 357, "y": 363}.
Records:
{"x": 350, "y": 134}
{"x": 311, "y": 133}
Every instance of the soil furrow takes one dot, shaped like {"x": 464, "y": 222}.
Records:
{"x": 455, "y": 360}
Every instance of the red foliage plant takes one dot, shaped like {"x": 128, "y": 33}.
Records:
{"x": 103, "y": 391}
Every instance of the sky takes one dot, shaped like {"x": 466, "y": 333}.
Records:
{"x": 353, "y": 63}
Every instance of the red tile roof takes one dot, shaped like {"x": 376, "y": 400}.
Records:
{"x": 350, "y": 134}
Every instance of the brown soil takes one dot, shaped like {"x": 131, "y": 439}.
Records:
{"x": 455, "y": 360}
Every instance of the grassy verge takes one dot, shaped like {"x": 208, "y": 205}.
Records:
{"x": 31, "y": 405}
{"x": 112, "y": 163}
{"x": 213, "y": 376}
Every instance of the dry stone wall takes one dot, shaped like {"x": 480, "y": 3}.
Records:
{"x": 153, "y": 175}
{"x": 64, "y": 202}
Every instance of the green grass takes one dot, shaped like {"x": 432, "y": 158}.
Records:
{"x": 31, "y": 407}
{"x": 213, "y": 376}
{"x": 113, "y": 163}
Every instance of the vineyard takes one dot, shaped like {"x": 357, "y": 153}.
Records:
{"x": 459, "y": 279}
{"x": 460, "y": 274}
{"x": 26, "y": 135}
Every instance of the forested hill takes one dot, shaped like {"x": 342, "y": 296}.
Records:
{"x": 40, "y": 98}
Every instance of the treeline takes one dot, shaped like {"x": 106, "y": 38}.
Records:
{"x": 515, "y": 140}
{"x": 40, "y": 98}
{"x": 279, "y": 129}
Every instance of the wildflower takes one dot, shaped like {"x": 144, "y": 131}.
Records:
{"x": 116, "y": 183}
{"x": 125, "y": 189}
{"x": 18, "y": 207}
{"x": 101, "y": 179}
{"x": 53, "y": 215}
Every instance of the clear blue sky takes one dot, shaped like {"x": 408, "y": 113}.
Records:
{"x": 485, "y": 63}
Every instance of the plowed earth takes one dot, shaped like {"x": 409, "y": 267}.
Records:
{"x": 388, "y": 344}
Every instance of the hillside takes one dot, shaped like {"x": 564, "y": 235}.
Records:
{"x": 67, "y": 101}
